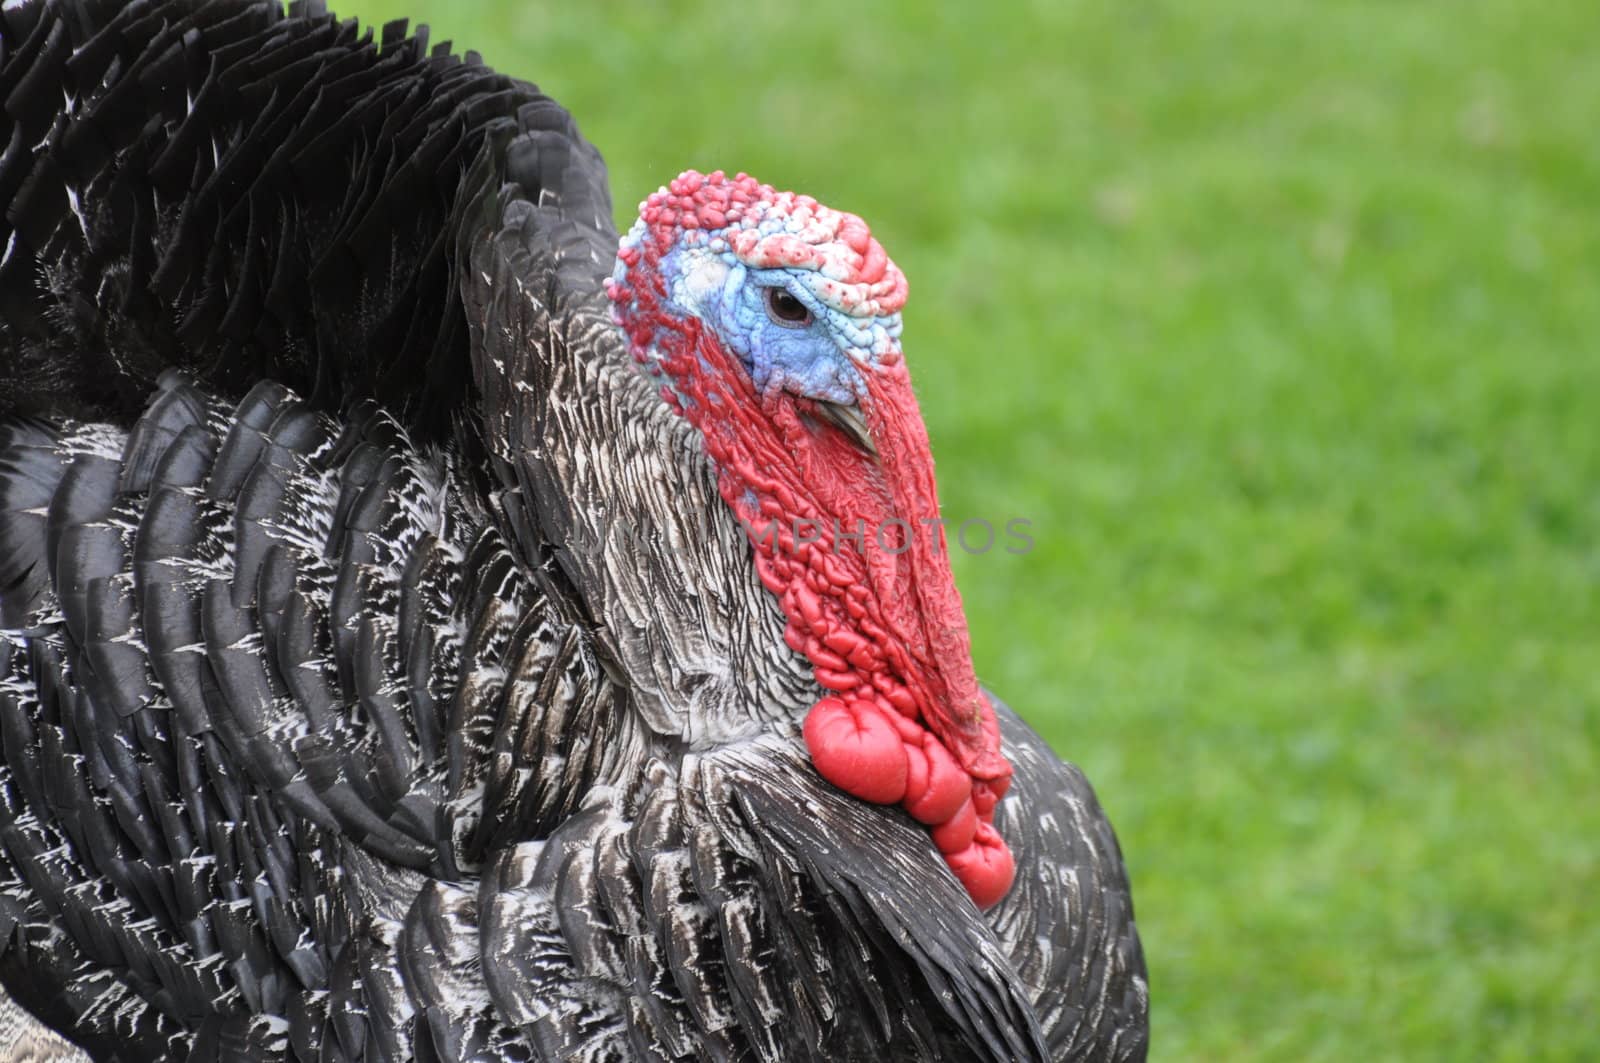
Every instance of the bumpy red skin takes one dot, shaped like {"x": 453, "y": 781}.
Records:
{"x": 883, "y": 630}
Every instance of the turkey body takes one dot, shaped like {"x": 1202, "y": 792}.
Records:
{"x": 381, "y": 676}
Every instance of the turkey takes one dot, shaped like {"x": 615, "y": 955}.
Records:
{"x": 432, "y": 627}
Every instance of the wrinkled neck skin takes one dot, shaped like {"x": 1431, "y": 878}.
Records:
{"x": 779, "y": 466}
{"x": 871, "y": 603}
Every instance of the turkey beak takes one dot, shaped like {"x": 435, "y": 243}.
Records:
{"x": 850, "y": 421}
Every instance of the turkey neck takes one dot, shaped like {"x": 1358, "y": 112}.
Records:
{"x": 849, "y": 542}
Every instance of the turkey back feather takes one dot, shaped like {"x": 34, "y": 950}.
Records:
{"x": 249, "y": 194}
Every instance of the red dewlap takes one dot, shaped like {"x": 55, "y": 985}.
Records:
{"x": 857, "y": 750}
{"x": 985, "y": 867}
{"x": 957, "y": 832}
{"x": 936, "y": 787}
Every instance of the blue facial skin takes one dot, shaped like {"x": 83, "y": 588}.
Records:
{"x": 822, "y": 359}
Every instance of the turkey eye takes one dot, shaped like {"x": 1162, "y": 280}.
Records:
{"x": 786, "y": 310}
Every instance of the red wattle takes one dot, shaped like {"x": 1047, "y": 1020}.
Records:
{"x": 985, "y": 867}
{"x": 957, "y": 832}
{"x": 986, "y": 793}
{"x": 935, "y": 784}
{"x": 854, "y": 747}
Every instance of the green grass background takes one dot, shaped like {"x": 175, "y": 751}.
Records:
{"x": 1281, "y": 322}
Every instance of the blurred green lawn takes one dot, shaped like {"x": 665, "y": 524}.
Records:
{"x": 1282, "y": 325}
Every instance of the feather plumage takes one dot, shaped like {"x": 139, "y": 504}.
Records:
{"x": 380, "y": 677}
